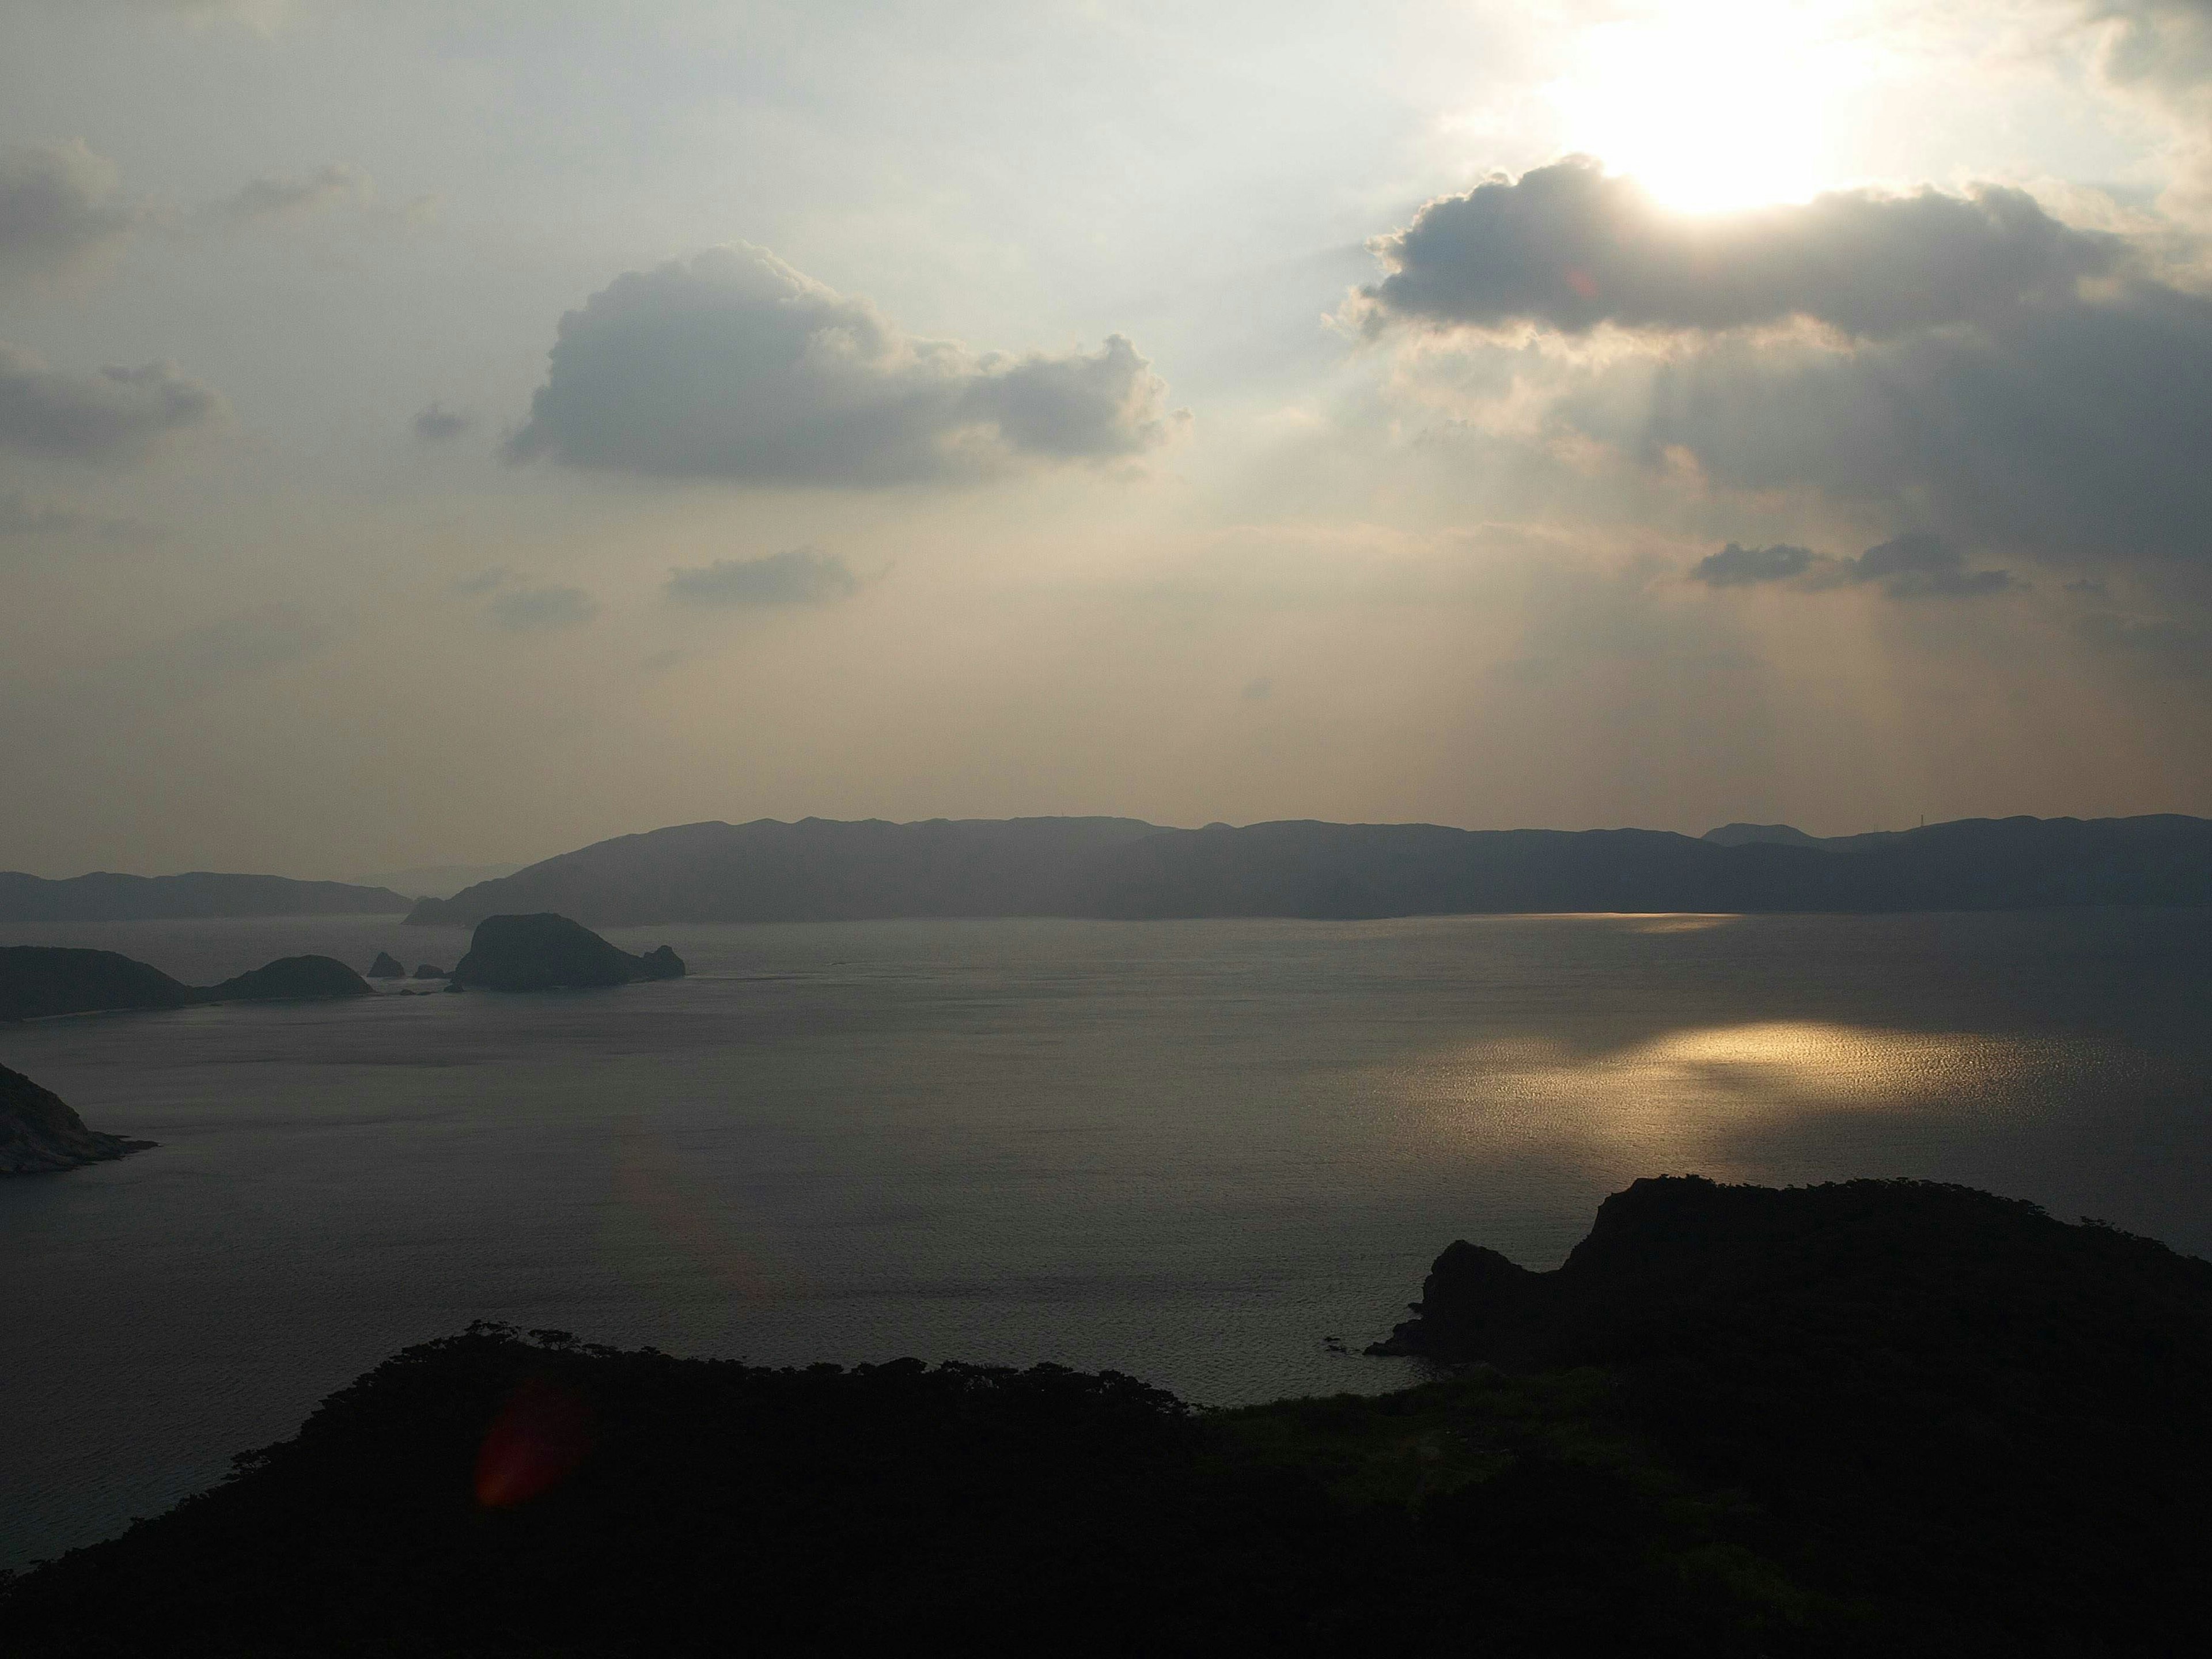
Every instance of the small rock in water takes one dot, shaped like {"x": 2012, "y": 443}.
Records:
{"x": 427, "y": 970}
{"x": 386, "y": 966}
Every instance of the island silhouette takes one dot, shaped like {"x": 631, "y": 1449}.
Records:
{"x": 507, "y": 953}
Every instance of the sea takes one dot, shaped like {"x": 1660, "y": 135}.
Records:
{"x": 1216, "y": 1155}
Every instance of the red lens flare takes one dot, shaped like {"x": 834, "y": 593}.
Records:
{"x": 541, "y": 1434}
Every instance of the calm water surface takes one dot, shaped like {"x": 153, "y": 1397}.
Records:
{"x": 1186, "y": 1150}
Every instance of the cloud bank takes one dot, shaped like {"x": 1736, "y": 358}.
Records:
{"x": 115, "y": 416}
{"x": 731, "y": 365}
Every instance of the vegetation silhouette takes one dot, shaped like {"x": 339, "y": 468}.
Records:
{"x": 1880, "y": 1416}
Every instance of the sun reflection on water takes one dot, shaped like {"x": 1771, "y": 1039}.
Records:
{"x": 1690, "y": 1093}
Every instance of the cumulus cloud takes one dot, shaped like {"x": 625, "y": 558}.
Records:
{"x": 1567, "y": 247}
{"x": 1981, "y": 368}
{"x": 1914, "y": 566}
{"x": 437, "y": 424}
{"x": 294, "y": 197}
{"x": 540, "y": 610}
{"x": 732, "y": 365}
{"x": 799, "y": 575}
{"x": 58, "y": 209}
{"x": 116, "y": 414}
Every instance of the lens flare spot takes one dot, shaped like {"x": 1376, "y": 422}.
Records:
{"x": 541, "y": 1435}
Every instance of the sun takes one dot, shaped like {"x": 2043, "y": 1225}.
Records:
{"x": 1711, "y": 106}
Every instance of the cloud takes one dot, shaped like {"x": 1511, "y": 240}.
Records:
{"x": 1566, "y": 247}
{"x": 731, "y": 365}
{"x": 271, "y": 197}
{"x": 1914, "y": 566}
{"x": 2076, "y": 430}
{"x": 437, "y": 424}
{"x": 1979, "y": 367}
{"x": 799, "y": 575}
{"x": 57, "y": 211}
{"x": 116, "y": 414}
{"x": 542, "y": 610}
{"x": 1739, "y": 566}
{"x": 1923, "y": 566}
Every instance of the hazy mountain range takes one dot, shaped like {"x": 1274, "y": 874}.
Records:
{"x": 106, "y": 897}
{"x": 818, "y": 870}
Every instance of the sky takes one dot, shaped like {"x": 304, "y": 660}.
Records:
{"x": 456, "y": 432}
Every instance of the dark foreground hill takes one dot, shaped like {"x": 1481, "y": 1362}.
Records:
{"x": 818, "y": 870}
{"x": 1883, "y": 1418}
{"x": 39, "y": 1134}
{"x": 106, "y": 897}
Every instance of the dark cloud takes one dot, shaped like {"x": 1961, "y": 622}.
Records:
{"x": 1566, "y": 247}
{"x": 2075, "y": 431}
{"x": 732, "y": 365}
{"x": 1923, "y": 566}
{"x": 116, "y": 414}
{"x": 799, "y": 575}
{"x": 57, "y": 210}
{"x": 1739, "y": 566}
{"x": 437, "y": 424}
{"x": 542, "y": 610}
{"x": 1914, "y": 566}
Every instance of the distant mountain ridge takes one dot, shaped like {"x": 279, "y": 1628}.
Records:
{"x": 1784, "y": 834}
{"x": 1121, "y": 868}
{"x": 103, "y": 897}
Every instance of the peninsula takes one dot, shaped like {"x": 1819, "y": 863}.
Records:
{"x": 39, "y": 1134}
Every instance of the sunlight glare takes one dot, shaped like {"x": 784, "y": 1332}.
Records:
{"x": 1711, "y": 106}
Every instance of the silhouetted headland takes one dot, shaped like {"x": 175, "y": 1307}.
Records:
{"x": 38, "y": 981}
{"x": 546, "y": 953}
{"x": 818, "y": 870}
{"x": 106, "y": 897}
{"x": 39, "y": 1134}
{"x": 1880, "y": 1416}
